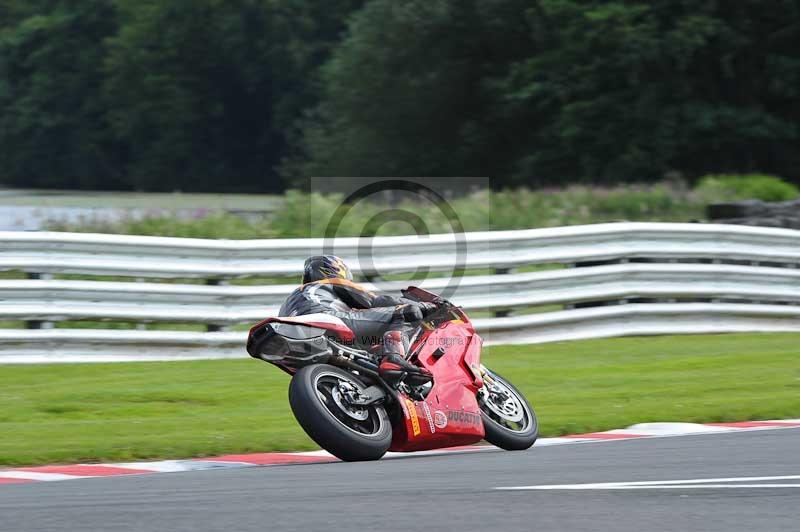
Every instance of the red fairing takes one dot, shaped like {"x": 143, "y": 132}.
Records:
{"x": 450, "y": 415}
{"x": 321, "y": 321}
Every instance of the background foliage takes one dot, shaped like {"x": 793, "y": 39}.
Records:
{"x": 307, "y": 215}
{"x": 253, "y": 95}
{"x": 752, "y": 186}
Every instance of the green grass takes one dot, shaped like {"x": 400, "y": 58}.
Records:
{"x": 113, "y": 412}
{"x": 604, "y": 384}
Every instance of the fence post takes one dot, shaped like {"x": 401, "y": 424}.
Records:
{"x": 38, "y": 324}
{"x": 141, "y": 326}
{"x": 212, "y": 327}
{"x": 504, "y": 312}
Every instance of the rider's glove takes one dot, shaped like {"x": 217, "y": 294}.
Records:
{"x": 427, "y": 308}
{"x": 411, "y": 312}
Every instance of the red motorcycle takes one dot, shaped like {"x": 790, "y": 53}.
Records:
{"x": 340, "y": 400}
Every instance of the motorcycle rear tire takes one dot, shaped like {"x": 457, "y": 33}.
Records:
{"x": 321, "y": 424}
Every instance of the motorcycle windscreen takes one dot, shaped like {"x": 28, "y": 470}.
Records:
{"x": 419, "y": 294}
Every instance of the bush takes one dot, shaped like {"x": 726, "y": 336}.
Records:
{"x": 731, "y": 187}
{"x": 304, "y": 215}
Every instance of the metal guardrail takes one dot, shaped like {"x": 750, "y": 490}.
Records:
{"x": 675, "y": 278}
{"x": 82, "y": 345}
{"x": 56, "y": 300}
{"x": 160, "y": 257}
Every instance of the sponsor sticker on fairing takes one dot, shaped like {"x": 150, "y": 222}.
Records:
{"x": 427, "y": 411}
{"x": 440, "y": 419}
{"x": 412, "y": 411}
{"x": 463, "y": 418}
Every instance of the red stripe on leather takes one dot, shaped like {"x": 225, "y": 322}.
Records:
{"x": 605, "y": 436}
{"x": 269, "y": 458}
{"x": 86, "y": 470}
{"x": 15, "y": 480}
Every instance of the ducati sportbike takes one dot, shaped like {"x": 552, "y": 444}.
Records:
{"x": 340, "y": 400}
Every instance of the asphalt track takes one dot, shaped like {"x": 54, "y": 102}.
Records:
{"x": 452, "y": 492}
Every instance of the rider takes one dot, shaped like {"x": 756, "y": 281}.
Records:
{"x": 328, "y": 288}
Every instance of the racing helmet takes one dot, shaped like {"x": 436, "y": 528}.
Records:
{"x": 321, "y": 267}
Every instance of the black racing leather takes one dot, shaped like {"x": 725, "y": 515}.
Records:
{"x": 367, "y": 314}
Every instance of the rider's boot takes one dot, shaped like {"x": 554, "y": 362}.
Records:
{"x": 394, "y": 368}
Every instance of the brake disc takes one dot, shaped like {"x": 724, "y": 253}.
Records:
{"x": 504, "y": 403}
{"x": 359, "y": 414}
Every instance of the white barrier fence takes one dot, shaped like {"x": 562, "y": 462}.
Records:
{"x": 160, "y": 257}
{"x": 635, "y": 278}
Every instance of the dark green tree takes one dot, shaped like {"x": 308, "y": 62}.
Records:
{"x": 408, "y": 92}
{"x": 631, "y": 90}
{"x": 205, "y": 92}
{"x": 557, "y": 91}
{"x": 52, "y": 127}
{"x": 12, "y": 12}
{"x": 218, "y": 95}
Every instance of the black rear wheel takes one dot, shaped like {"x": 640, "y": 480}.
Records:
{"x": 320, "y": 399}
{"x": 508, "y": 419}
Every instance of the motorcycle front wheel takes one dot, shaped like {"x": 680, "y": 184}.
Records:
{"x": 508, "y": 419}
{"x": 318, "y": 395}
